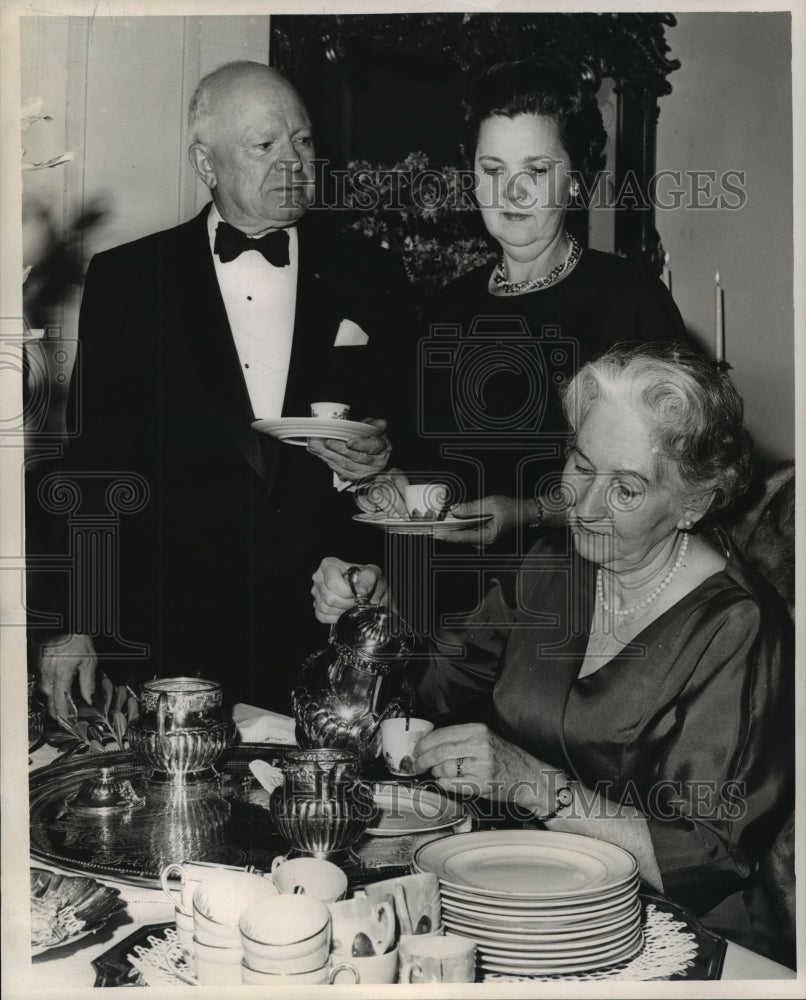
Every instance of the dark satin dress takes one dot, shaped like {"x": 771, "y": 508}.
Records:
{"x": 692, "y": 722}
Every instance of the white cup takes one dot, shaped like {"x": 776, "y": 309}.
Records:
{"x": 425, "y": 500}
{"x": 351, "y": 917}
{"x": 330, "y": 411}
{"x": 211, "y": 965}
{"x": 313, "y": 877}
{"x": 398, "y": 743}
{"x": 373, "y": 969}
{"x": 190, "y": 873}
{"x": 327, "y": 974}
{"x": 220, "y": 899}
{"x": 427, "y": 958}
{"x": 184, "y": 927}
{"x": 286, "y": 934}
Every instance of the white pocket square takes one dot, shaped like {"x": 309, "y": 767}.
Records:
{"x": 350, "y": 334}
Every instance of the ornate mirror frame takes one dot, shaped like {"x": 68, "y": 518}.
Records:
{"x": 630, "y": 48}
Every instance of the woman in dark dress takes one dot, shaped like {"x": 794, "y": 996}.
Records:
{"x": 503, "y": 338}
{"x": 641, "y": 689}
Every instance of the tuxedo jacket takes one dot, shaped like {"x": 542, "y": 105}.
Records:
{"x": 224, "y": 526}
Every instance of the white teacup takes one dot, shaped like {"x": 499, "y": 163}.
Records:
{"x": 398, "y": 743}
{"x": 425, "y": 500}
{"x": 374, "y": 922}
{"x": 220, "y": 899}
{"x": 428, "y": 958}
{"x": 327, "y": 974}
{"x": 313, "y": 877}
{"x": 284, "y": 928}
{"x": 330, "y": 411}
{"x": 184, "y": 927}
{"x": 190, "y": 873}
{"x": 211, "y": 965}
{"x": 373, "y": 969}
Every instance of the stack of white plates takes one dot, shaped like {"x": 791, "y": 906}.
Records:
{"x": 538, "y": 902}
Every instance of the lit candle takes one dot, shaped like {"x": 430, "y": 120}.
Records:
{"x": 719, "y": 324}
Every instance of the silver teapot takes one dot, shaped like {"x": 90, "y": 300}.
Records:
{"x": 347, "y": 689}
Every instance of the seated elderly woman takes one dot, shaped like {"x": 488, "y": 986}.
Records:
{"x": 641, "y": 690}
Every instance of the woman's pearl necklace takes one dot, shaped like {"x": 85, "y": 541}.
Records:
{"x": 530, "y": 284}
{"x": 681, "y": 556}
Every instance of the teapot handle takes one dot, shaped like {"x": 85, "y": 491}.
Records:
{"x": 162, "y": 708}
{"x": 351, "y": 575}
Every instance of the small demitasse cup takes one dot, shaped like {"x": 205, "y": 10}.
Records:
{"x": 285, "y": 935}
{"x": 190, "y": 874}
{"x": 327, "y": 974}
{"x": 428, "y": 958}
{"x": 362, "y": 928}
{"x": 373, "y": 968}
{"x": 417, "y": 902}
{"x": 313, "y": 877}
{"x": 399, "y": 737}
{"x": 425, "y": 501}
{"x": 211, "y": 965}
{"x": 220, "y": 899}
{"x": 330, "y": 411}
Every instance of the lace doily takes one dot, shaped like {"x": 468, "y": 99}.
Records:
{"x": 669, "y": 949}
{"x": 151, "y": 964}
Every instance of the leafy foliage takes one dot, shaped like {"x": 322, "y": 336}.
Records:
{"x": 102, "y": 726}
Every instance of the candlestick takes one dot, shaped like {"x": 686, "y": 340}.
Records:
{"x": 719, "y": 323}
{"x": 666, "y": 276}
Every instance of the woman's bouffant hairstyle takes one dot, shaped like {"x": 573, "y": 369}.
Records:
{"x": 692, "y": 408}
{"x": 554, "y": 90}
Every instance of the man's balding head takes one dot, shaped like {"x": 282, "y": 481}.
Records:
{"x": 251, "y": 145}
{"x": 215, "y": 91}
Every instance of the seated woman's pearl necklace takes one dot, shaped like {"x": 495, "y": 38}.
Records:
{"x": 681, "y": 556}
{"x": 530, "y": 284}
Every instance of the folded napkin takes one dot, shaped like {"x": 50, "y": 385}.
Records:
{"x": 259, "y": 725}
{"x": 350, "y": 334}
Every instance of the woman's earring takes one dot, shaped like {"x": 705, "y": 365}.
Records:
{"x": 686, "y": 524}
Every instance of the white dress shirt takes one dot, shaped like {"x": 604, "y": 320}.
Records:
{"x": 261, "y": 303}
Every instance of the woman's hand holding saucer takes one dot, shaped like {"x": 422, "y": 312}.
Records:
{"x": 506, "y": 517}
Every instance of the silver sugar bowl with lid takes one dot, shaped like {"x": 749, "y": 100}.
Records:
{"x": 182, "y": 729}
{"x": 347, "y": 689}
{"x": 323, "y": 806}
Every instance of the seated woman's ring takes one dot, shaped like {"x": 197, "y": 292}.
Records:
{"x": 459, "y": 762}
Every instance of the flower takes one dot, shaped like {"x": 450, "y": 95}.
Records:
{"x": 423, "y": 213}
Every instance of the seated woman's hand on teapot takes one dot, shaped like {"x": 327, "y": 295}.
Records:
{"x": 331, "y": 591}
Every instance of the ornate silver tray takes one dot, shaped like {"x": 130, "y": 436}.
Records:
{"x": 224, "y": 821}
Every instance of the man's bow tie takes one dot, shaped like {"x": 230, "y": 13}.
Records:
{"x": 231, "y": 243}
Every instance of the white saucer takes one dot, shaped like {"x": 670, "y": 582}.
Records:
{"x": 404, "y": 526}
{"x": 298, "y": 430}
{"x": 404, "y": 810}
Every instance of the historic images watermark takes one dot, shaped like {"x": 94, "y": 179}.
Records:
{"x": 668, "y": 800}
{"x": 361, "y": 188}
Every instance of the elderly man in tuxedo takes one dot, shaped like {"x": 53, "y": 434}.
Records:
{"x": 250, "y": 310}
